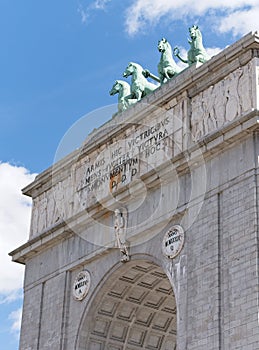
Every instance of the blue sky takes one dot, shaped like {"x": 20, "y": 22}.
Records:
{"x": 58, "y": 61}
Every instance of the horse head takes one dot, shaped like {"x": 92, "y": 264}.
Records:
{"x": 132, "y": 68}
{"x": 115, "y": 88}
{"x": 163, "y": 45}
{"x": 194, "y": 32}
{"x": 129, "y": 70}
{"x": 119, "y": 86}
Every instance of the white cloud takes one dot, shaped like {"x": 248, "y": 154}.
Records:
{"x": 10, "y": 296}
{"x": 16, "y": 319}
{"x": 100, "y": 4}
{"x": 236, "y": 16}
{"x": 241, "y": 22}
{"x": 15, "y": 211}
{"x": 85, "y": 12}
{"x": 144, "y": 13}
{"x": 213, "y": 51}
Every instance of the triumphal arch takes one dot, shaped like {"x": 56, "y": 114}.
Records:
{"x": 147, "y": 236}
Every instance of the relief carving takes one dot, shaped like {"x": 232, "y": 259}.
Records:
{"x": 34, "y": 217}
{"x": 218, "y": 96}
{"x": 39, "y": 215}
{"x": 221, "y": 103}
{"x": 42, "y": 221}
{"x": 59, "y": 200}
{"x": 231, "y": 94}
{"x": 177, "y": 115}
{"x": 69, "y": 197}
{"x": 52, "y": 206}
{"x": 245, "y": 88}
{"x": 208, "y": 102}
{"x": 197, "y": 118}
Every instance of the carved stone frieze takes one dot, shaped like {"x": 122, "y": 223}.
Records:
{"x": 221, "y": 103}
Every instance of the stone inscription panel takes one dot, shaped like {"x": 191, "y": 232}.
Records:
{"x": 112, "y": 166}
{"x": 126, "y": 159}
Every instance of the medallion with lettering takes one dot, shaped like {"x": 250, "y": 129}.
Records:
{"x": 81, "y": 285}
{"x": 173, "y": 241}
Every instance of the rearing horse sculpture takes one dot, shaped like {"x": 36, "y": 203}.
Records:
{"x": 197, "y": 52}
{"x": 167, "y": 68}
{"x": 123, "y": 89}
{"x": 140, "y": 87}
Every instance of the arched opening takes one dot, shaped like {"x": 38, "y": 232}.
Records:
{"x": 134, "y": 309}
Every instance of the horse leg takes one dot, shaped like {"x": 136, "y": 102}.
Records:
{"x": 128, "y": 101}
{"x": 131, "y": 102}
{"x": 167, "y": 73}
{"x": 120, "y": 106}
{"x": 138, "y": 94}
{"x": 162, "y": 78}
{"x": 123, "y": 104}
{"x": 201, "y": 58}
{"x": 128, "y": 97}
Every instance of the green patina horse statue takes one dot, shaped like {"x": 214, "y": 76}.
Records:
{"x": 167, "y": 68}
{"x": 122, "y": 88}
{"x": 197, "y": 52}
{"x": 140, "y": 87}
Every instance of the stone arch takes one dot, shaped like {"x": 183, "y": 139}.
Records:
{"x": 135, "y": 308}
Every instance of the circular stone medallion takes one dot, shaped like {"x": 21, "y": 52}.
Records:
{"x": 173, "y": 241}
{"x": 81, "y": 285}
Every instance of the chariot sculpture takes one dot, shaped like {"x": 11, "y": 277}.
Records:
{"x": 167, "y": 69}
{"x": 197, "y": 52}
